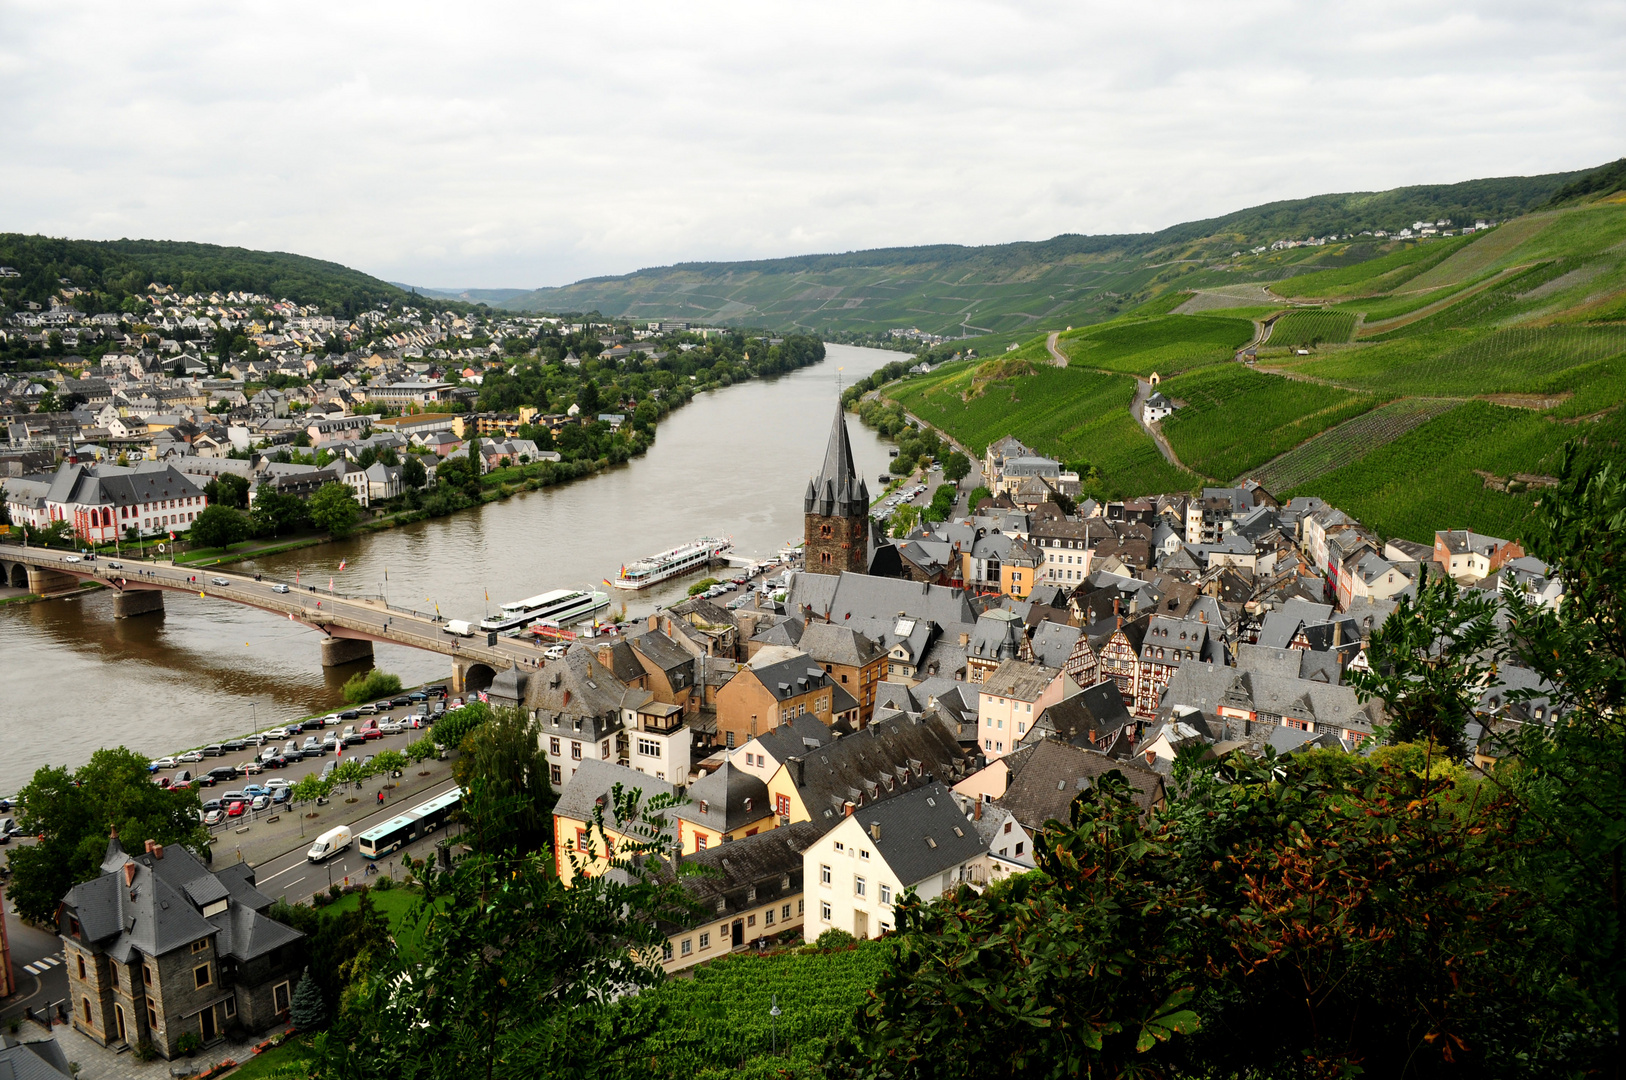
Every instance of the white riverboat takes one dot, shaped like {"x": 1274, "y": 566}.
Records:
{"x": 695, "y": 555}
{"x": 560, "y": 607}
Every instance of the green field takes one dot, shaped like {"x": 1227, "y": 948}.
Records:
{"x": 1311, "y": 328}
{"x": 717, "y": 1023}
{"x": 1236, "y": 419}
{"x": 1425, "y": 479}
{"x": 1073, "y": 414}
{"x": 1495, "y": 345}
{"x": 1166, "y": 344}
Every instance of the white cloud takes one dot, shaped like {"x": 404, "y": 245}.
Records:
{"x": 525, "y": 144}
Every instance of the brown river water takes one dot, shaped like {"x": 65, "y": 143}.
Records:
{"x": 733, "y": 462}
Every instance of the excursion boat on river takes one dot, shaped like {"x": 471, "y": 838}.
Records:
{"x": 560, "y": 607}
{"x": 695, "y": 555}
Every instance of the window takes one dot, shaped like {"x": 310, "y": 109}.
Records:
{"x": 987, "y": 744}
{"x": 784, "y": 912}
{"x": 146, "y": 975}
{"x": 280, "y": 997}
{"x": 581, "y": 839}
{"x": 750, "y": 920}
{"x": 840, "y": 846}
{"x": 113, "y": 975}
{"x": 553, "y": 747}
{"x": 800, "y": 906}
{"x": 604, "y": 750}
{"x": 730, "y": 741}
{"x": 824, "y": 874}
{"x": 200, "y": 975}
{"x": 1007, "y": 826}
{"x": 81, "y": 960}
{"x": 200, "y": 946}
{"x": 152, "y": 1016}
{"x": 554, "y": 775}
{"x": 824, "y": 910}
{"x": 886, "y": 894}
{"x": 687, "y": 947}
{"x": 859, "y": 887}
{"x": 700, "y": 841}
{"x": 649, "y": 748}
{"x": 1019, "y": 847}
{"x": 705, "y": 807}
{"x": 85, "y": 1002}
{"x": 767, "y": 917}
{"x": 666, "y": 951}
{"x": 231, "y": 1007}
{"x": 705, "y": 941}
{"x": 863, "y": 853}
{"x": 575, "y": 751}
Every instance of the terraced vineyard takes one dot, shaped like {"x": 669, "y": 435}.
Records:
{"x": 1517, "y": 360}
{"x": 1237, "y": 418}
{"x": 1347, "y": 442}
{"x": 707, "y": 1026}
{"x": 1165, "y": 344}
{"x": 1306, "y": 328}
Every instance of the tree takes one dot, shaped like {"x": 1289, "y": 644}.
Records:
{"x": 456, "y": 725}
{"x": 311, "y": 787}
{"x": 370, "y": 684}
{"x": 956, "y": 467}
{"x": 218, "y": 527}
{"x": 276, "y": 514}
{"x": 5, "y": 511}
{"x": 307, "y": 1010}
{"x": 588, "y": 398}
{"x": 514, "y": 972}
{"x": 413, "y": 473}
{"x": 1430, "y": 660}
{"x": 228, "y": 489}
{"x": 334, "y": 510}
{"x": 47, "y": 403}
{"x": 977, "y": 495}
{"x": 506, "y": 754}
{"x": 74, "y": 811}
{"x": 904, "y": 518}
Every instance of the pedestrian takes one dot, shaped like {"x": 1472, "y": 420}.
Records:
{"x": 381, "y": 795}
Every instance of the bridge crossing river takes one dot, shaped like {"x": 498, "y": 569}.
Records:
{"x": 733, "y": 462}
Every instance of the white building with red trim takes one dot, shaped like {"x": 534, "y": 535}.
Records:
{"x": 105, "y": 501}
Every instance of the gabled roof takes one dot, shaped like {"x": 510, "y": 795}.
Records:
{"x": 1055, "y": 774}
{"x": 594, "y": 780}
{"x": 921, "y": 834}
{"x": 895, "y": 752}
{"x": 726, "y": 799}
{"x": 798, "y": 735}
{"x": 1020, "y": 680}
{"x": 828, "y": 643}
{"x": 1099, "y": 709}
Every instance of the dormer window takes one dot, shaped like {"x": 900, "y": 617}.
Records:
{"x": 748, "y": 804}
{"x": 704, "y": 807}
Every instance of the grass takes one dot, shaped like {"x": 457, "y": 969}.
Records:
{"x": 1465, "y": 363}
{"x": 396, "y": 904}
{"x": 1389, "y": 271}
{"x": 1236, "y": 418}
{"x": 1425, "y": 479}
{"x": 1347, "y": 442}
{"x": 290, "y": 1056}
{"x": 1300, "y": 328}
{"x": 1071, "y": 413}
{"x": 1166, "y": 343}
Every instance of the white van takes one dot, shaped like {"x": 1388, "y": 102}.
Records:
{"x": 329, "y": 844}
{"x": 459, "y": 627}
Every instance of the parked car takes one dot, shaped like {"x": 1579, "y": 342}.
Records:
{"x": 370, "y": 708}
{"x": 213, "y": 750}
{"x": 317, "y": 750}
{"x": 417, "y": 696}
{"x": 261, "y": 802}
{"x": 327, "y": 770}
{"x": 279, "y": 588}
{"x": 218, "y": 581}
{"x": 235, "y": 809}
{"x": 256, "y": 739}
{"x": 205, "y": 780}
{"x": 162, "y": 781}
{"x": 251, "y": 768}
{"x": 9, "y": 827}
{"x": 191, "y": 755}
{"x": 165, "y": 763}
{"x": 224, "y": 772}
{"x": 181, "y": 778}
{"x": 401, "y": 702}
{"x": 392, "y": 727}
{"x": 231, "y": 746}
{"x": 349, "y": 714}
{"x": 280, "y": 795}
{"x": 214, "y": 817}
{"x": 292, "y": 754}
{"x": 275, "y": 761}
{"x": 251, "y": 790}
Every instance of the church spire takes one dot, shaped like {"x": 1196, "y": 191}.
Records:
{"x": 839, "y": 491}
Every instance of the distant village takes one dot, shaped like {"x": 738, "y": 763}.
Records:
{"x": 127, "y": 445}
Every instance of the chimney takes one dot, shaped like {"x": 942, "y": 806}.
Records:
{"x": 150, "y": 846}
{"x": 875, "y": 831}
{"x": 604, "y": 657}
{"x": 129, "y": 874}
{"x": 1337, "y": 633}
{"x": 965, "y": 639}
{"x": 977, "y": 812}
{"x": 158, "y": 851}
{"x": 1202, "y": 617}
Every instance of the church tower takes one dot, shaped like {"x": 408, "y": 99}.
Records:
{"x": 836, "y": 510}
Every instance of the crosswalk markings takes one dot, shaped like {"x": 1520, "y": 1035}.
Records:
{"x": 39, "y": 967}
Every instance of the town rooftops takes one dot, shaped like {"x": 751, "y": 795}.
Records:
{"x": 1019, "y": 680}
{"x": 1057, "y": 773}
{"x": 921, "y": 833}
{"x": 895, "y": 752}
{"x": 726, "y": 799}
{"x": 593, "y": 784}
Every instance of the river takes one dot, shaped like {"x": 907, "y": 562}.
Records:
{"x": 733, "y": 462}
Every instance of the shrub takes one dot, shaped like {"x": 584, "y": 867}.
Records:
{"x": 365, "y": 686}
{"x": 834, "y": 938}
{"x": 143, "y": 1050}
{"x": 384, "y": 883}
{"x": 189, "y": 1042}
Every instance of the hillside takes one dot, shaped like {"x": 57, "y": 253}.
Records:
{"x": 1418, "y": 384}
{"x": 1067, "y": 280}
{"x": 112, "y": 270}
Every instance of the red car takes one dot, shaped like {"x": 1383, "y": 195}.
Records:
{"x": 371, "y": 733}
{"x": 235, "y": 809}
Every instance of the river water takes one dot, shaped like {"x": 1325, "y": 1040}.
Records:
{"x": 733, "y": 462}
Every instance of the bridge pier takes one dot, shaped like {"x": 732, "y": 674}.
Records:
{"x": 338, "y": 651}
{"x": 43, "y": 582}
{"x": 137, "y": 602}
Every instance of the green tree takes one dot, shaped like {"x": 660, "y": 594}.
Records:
{"x": 1430, "y": 660}
{"x": 506, "y": 754}
{"x": 228, "y": 489}
{"x": 977, "y": 495}
{"x": 74, "y": 811}
{"x": 277, "y": 514}
{"x": 370, "y": 684}
{"x": 218, "y": 527}
{"x": 956, "y": 467}
{"x": 334, "y": 510}
{"x": 48, "y": 402}
{"x": 311, "y": 787}
{"x": 307, "y": 1010}
{"x": 5, "y": 511}
{"x": 351, "y": 946}
{"x": 588, "y": 399}
{"x": 515, "y": 972}
{"x": 455, "y": 726}
{"x": 904, "y": 519}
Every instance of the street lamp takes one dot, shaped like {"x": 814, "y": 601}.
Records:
{"x": 774, "y": 1012}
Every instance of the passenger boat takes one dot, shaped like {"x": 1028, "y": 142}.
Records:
{"x": 561, "y": 607}
{"x": 695, "y": 555}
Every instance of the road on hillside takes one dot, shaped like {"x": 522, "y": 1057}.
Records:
{"x": 1055, "y": 354}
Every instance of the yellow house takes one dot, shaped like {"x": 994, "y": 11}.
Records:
{"x": 726, "y": 805}
{"x": 580, "y": 845}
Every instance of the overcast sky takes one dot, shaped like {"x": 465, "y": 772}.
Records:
{"x": 527, "y": 144}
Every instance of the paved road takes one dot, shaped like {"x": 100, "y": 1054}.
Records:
{"x": 1143, "y": 390}
{"x": 1055, "y": 354}
{"x": 36, "y": 963}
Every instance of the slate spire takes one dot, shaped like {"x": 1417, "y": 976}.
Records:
{"x": 838, "y": 491}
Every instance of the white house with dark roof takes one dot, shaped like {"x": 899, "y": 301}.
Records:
{"x": 855, "y": 873}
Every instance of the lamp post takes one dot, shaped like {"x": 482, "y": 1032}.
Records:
{"x": 774, "y": 1012}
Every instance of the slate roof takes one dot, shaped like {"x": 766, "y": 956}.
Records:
{"x": 595, "y": 779}
{"x": 828, "y": 643}
{"x": 750, "y": 871}
{"x": 115, "y": 485}
{"x": 871, "y": 604}
{"x": 662, "y": 652}
{"x": 838, "y": 489}
{"x": 1019, "y": 679}
{"x": 895, "y": 752}
{"x": 921, "y": 833}
{"x": 1055, "y": 774}
{"x": 997, "y": 636}
{"x": 33, "y": 1061}
{"x": 791, "y": 678}
{"x": 792, "y": 737}
{"x": 725, "y": 793}
{"x": 1099, "y": 709}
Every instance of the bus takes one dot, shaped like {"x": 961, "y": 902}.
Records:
{"x": 404, "y": 828}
